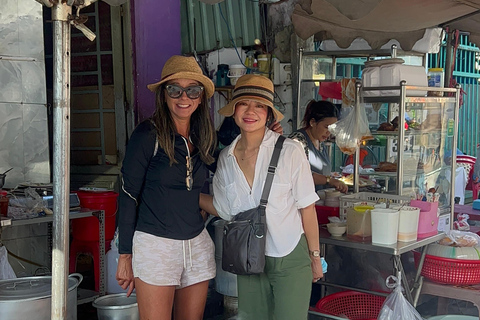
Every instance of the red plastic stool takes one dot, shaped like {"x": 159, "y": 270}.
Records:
{"x": 91, "y": 248}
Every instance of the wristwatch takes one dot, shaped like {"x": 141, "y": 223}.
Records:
{"x": 328, "y": 179}
{"x": 314, "y": 253}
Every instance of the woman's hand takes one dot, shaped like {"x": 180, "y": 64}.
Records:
{"x": 276, "y": 127}
{"x": 316, "y": 269}
{"x": 339, "y": 185}
{"x": 124, "y": 274}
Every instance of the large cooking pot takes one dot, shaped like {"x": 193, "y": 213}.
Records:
{"x": 31, "y": 297}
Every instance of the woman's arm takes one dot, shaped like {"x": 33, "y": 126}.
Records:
{"x": 310, "y": 226}
{"x": 206, "y": 203}
{"x": 320, "y": 179}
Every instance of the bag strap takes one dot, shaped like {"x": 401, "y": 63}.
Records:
{"x": 271, "y": 171}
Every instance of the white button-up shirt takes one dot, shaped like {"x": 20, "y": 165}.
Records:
{"x": 292, "y": 189}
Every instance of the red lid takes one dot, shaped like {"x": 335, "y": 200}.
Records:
{"x": 3, "y": 192}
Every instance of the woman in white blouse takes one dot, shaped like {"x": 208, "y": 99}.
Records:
{"x": 292, "y": 244}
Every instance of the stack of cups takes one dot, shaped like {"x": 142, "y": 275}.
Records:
{"x": 332, "y": 198}
{"x": 384, "y": 226}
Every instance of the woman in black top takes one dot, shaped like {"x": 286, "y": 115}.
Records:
{"x": 165, "y": 251}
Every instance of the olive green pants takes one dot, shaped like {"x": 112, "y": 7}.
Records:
{"x": 282, "y": 292}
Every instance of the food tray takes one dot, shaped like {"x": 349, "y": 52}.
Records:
{"x": 351, "y": 304}
{"x": 449, "y": 271}
{"x": 347, "y": 201}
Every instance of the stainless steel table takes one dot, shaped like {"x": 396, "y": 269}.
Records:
{"x": 88, "y": 295}
{"x": 395, "y": 250}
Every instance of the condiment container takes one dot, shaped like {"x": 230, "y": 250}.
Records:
{"x": 359, "y": 221}
{"x": 407, "y": 223}
{"x": 384, "y": 226}
{"x": 435, "y": 79}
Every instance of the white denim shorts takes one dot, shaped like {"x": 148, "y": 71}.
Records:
{"x": 167, "y": 262}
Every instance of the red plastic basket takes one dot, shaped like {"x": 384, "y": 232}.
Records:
{"x": 449, "y": 271}
{"x": 352, "y": 304}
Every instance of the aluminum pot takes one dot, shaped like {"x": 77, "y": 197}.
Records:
{"x": 31, "y": 297}
{"x": 117, "y": 307}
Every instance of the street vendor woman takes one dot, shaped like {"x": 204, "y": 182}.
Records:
{"x": 318, "y": 116}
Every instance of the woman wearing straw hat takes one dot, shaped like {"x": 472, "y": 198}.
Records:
{"x": 165, "y": 251}
{"x": 292, "y": 243}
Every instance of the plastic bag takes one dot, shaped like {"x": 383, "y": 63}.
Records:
{"x": 457, "y": 238}
{"x": 6, "y": 271}
{"x": 351, "y": 130}
{"x": 396, "y": 306}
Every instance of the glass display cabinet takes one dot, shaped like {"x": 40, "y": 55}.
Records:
{"x": 419, "y": 136}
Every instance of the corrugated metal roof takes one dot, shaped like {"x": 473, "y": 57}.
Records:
{"x": 215, "y": 26}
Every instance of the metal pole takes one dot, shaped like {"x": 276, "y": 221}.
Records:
{"x": 61, "y": 158}
{"x": 356, "y": 159}
{"x": 448, "y": 58}
{"x": 401, "y": 137}
{"x": 299, "y": 87}
{"x": 454, "y": 155}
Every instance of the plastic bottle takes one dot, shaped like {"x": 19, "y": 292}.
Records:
{"x": 435, "y": 79}
{"x": 111, "y": 267}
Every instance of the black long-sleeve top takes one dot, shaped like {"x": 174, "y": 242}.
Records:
{"x": 154, "y": 196}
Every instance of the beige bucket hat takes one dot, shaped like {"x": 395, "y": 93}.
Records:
{"x": 252, "y": 87}
{"x": 180, "y": 67}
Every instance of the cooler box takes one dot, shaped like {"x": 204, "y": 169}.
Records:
{"x": 323, "y": 212}
{"x": 86, "y": 229}
{"x": 428, "y": 219}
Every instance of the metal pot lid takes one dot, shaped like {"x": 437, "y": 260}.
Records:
{"x": 29, "y": 288}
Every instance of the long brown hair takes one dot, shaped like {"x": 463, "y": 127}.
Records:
{"x": 202, "y": 133}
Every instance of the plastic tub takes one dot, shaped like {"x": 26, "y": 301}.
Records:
{"x": 86, "y": 229}
{"x": 407, "y": 223}
{"x": 435, "y": 79}
{"x": 384, "y": 226}
{"x": 428, "y": 219}
{"x": 371, "y": 78}
{"x": 359, "y": 221}
{"x": 117, "y": 307}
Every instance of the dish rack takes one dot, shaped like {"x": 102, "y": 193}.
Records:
{"x": 347, "y": 201}
{"x": 449, "y": 271}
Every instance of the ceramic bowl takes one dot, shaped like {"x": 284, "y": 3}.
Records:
{"x": 337, "y": 229}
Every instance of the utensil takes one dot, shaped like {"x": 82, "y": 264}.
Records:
{"x": 6, "y": 172}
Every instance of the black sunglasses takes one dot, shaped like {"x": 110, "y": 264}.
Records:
{"x": 175, "y": 92}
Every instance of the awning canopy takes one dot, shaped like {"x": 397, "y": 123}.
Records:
{"x": 378, "y": 21}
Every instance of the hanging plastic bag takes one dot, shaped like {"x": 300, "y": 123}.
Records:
{"x": 6, "y": 271}
{"x": 351, "y": 130}
{"x": 396, "y": 306}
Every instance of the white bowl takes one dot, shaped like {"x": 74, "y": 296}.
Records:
{"x": 337, "y": 229}
{"x": 465, "y": 253}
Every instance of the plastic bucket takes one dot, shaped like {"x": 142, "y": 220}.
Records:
{"x": 359, "y": 221}
{"x": 117, "y": 307}
{"x": 86, "y": 229}
{"x": 407, "y": 223}
{"x": 235, "y": 71}
{"x": 384, "y": 226}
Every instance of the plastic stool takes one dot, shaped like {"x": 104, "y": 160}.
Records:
{"x": 91, "y": 248}
{"x": 476, "y": 190}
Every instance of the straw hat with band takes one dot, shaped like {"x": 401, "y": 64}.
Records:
{"x": 180, "y": 67}
{"x": 252, "y": 87}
